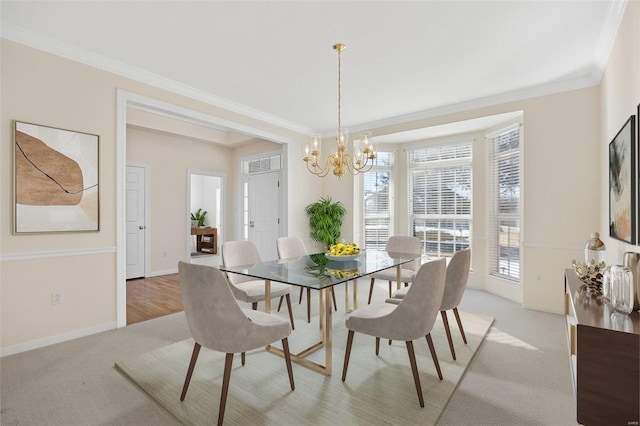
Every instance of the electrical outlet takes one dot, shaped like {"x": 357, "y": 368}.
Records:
{"x": 56, "y": 298}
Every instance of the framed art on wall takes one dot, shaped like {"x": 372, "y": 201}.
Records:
{"x": 55, "y": 180}
{"x": 623, "y": 184}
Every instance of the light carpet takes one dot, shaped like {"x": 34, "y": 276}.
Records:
{"x": 378, "y": 389}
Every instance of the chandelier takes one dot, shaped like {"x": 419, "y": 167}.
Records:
{"x": 360, "y": 161}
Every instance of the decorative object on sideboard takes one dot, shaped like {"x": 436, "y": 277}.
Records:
{"x": 623, "y": 207}
{"x": 592, "y": 274}
{"x": 631, "y": 260}
{"x": 621, "y": 296}
{"x": 595, "y": 250}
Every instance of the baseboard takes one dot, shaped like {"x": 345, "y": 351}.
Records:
{"x": 165, "y": 272}
{"x": 58, "y": 338}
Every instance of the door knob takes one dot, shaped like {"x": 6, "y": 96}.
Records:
{"x": 141, "y": 227}
{"x": 251, "y": 225}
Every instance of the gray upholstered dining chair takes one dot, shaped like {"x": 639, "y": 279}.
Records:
{"x": 455, "y": 284}
{"x": 292, "y": 247}
{"x": 247, "y": 289}
{"x": 399, "y": 244}
{"x": 217, "y": 322}
{"x": 411, "y": 319}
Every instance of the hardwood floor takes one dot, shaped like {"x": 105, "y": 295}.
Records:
{"x": 149, "y": 298}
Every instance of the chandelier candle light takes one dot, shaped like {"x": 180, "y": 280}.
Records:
{"x": 340, "y": 161}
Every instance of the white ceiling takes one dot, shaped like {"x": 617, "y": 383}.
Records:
{"x": 273, "y": 60}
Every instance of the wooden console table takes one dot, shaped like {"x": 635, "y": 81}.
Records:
{"x": 206, "y": 246}
{"x": 605, "y": 357}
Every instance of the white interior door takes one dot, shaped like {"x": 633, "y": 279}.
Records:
{"x": 135, "y": 221}
{"x": 264, "y": 212}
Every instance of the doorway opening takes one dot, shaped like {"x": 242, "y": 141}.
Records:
{"x": 205, "y": 199}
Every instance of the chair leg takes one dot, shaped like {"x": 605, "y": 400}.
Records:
{"x": 308, "y": 304}
{"x": 192, "y": 365}
{"x": 371, "y": 290}
{"x": 287, "y": 360}
{"x": 228, "y": 362}
{"x": 280, "y": 303}
{"x": 414, "y": 368}
{"x": 254, "y": 306}
{"x": 455, "y": 312}
{"x": 390, "y": 290}
{"x": 333, "y": 296}
{"x": 377, "y": 346}
{"x": 347, "y": 353}
{"x": 448, "y": 330}
{"x": 300, "y": 298}
{"x": 293, "y": 327}
{"x": 242, "y": 358}
{"x": 434, "y": 355}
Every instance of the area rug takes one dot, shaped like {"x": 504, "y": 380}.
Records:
{"x": 378, "y": 389}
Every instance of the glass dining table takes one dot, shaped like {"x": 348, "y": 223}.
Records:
{"x": 318, "y": 272}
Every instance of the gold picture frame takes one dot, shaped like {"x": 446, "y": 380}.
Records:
{"x": 56, "y": 180}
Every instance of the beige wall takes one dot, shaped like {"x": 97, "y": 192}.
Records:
{"x": 620, "y": 92}
{"x": 564, "y": 184}
{"x": 46, "y": 89}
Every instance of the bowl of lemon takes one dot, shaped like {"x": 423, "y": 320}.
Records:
{"x": 343, "y": 251}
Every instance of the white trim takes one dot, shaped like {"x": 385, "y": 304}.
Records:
{"x": 177, "y": 112}
{"x": 517, "y": 95}
{"x": 11, "y": 257}
{"x": 58, "y": 338}
{"x": 615, "y": 13}
{"x": 121, "y": 208}
{"x": 551, "y": 246}
{"x": 56, "y": 47}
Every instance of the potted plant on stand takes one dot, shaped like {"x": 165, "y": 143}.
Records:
{"x": 197, "y": 218}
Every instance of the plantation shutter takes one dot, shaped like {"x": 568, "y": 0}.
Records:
{"x": 504, "y": 239}
{"x": 378, "y": 205}
{"x": 441, "y": 197}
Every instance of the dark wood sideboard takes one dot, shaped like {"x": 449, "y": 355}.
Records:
{"x": 605, "y": 357}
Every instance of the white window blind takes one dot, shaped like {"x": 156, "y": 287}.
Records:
{"x": 378, "y": 202}
{"x": 440, "y": 197}
{"x": 504, "y": 239}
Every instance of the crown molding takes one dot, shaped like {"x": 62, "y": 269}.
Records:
{"x": 58, "y": 48}
{"x": 516, "y": 95}
{"x": 615, "y": 13}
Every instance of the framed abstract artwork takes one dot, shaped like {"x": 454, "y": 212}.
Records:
{"x": 55, "y": 175}
{"x": 623, "y": 185}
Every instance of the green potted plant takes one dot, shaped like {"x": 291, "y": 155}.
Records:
{"x": 325, "y": 220}
{"x": 198, "y": 217}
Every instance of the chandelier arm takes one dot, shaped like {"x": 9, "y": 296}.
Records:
{"x": 322, "y": 171}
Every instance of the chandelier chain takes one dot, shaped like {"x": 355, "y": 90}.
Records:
{"x": 339, "y": 94}
{"x": 341, "y": 161}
